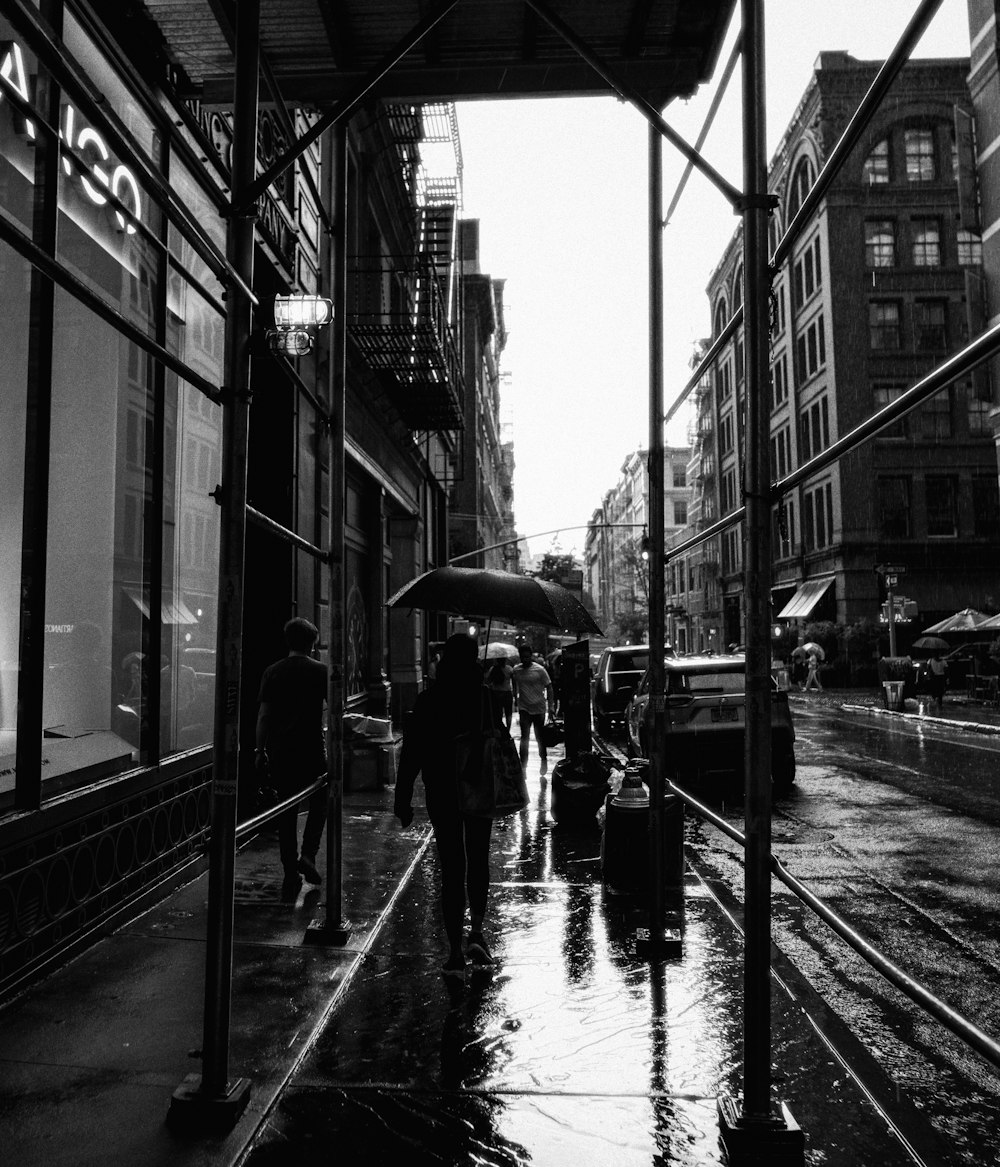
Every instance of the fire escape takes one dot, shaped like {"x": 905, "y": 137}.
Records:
{"x": 404, "y": 314}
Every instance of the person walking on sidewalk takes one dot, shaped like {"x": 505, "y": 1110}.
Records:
{"x": 534, "y": 697}
{"x": 812, "y": 677}
{"x": 452, "y": 706}
{"x": 291, "y": 747}
{"x": 936, "y": 676}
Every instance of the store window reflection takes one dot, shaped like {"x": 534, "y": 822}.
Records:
{"x": 14, "y": 273}
{"x": 96, "y": 685}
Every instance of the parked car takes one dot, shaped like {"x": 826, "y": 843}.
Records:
{"x": 619, "y": 671}
{"x": 706, "y": 714}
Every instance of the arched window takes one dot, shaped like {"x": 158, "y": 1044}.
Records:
{"x": 738, "y": 288}
{"x": 773, "y": 233}
{"x": 721, "y": 316}
{"x": 876, "y": 167}
{"x": 802, "y": 179}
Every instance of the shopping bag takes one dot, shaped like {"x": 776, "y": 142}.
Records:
{"x": 490, "y": 779}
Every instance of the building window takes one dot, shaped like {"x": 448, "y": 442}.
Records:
{"x": 724, "y": 380}
{"x": 815, "y": 428}
{"x": 880, "y": 243}
{"x": 919, "y": 147}
{"x": 882, "y": 394}
{"x": 808, "y": 274}
{"x": 680, "y": 474}
{"x": 930, "y": 325}
{"x": 970, "y": 249}
{"x": 728, "y": 499}
{"x": 779, "y": 382}
{"x": 883, "y": 325}
{"x": 726, "y": 433}
{"x": 935, "y": 416}
{"x": 978, "y": 407}
{"x": 876, "y": 168}
{"x": 680, "y": 512}
{"x": 926, "y": 243}
{"x": 732, "y": 549}
{"x": 721, "y": 317}
{"x": 942, "y": 505}
{"x": 781, "y": 460}
{"x": 802, "y": 181}
{"x": 985, "y": 506}
{"x": 810, "y": 350}
{"x": 817, "y": 517}
{"x": 894, "y": 507}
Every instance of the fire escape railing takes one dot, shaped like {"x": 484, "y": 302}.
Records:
{"x": 398, "y": 320}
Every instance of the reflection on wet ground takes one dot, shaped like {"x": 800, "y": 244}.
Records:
{"x": 570, "y": 1052}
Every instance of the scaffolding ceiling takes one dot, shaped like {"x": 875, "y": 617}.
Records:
{"x": 319, "y": 51}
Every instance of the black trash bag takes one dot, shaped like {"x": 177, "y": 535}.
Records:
{"x": 579, "y": 787}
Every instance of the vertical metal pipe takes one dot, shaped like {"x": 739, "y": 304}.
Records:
{"x": 37, "y": 443}
{"x": 657, "y": 738}
{"x": 337, "y": 648}
{"x": 757, "y": 580}
{"x": 229, "y": 642}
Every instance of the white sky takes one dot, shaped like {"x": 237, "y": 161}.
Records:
{"x": 560, "y": 189}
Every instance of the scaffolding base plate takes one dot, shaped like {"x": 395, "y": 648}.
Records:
{"x": 323, "y": 934}
{"x": 196, "y": 1112}
{"x": 776, "y": 1142}
{"x": 668, "y": 947}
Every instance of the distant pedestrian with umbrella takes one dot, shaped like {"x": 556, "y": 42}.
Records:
{"x": 936, "y": 671}
{"x": 812, "y": 665}
{"x": 936, "y": 677}
{"x": 452, "y": 706}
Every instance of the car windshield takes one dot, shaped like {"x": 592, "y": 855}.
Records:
{"x": 629, "y": 662}
{"x": 702, "y": 684}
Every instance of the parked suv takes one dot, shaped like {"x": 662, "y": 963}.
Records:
{"x": 706, "y": 715}
{"x": 618, "y": 672}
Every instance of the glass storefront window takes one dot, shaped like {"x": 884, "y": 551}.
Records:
{"x": 205, "y": 211}
{"x": 17, "y": 134}
{"x": 14, "y": 274}
{"x": 191, "y": 525}
{"x": 98, "y": 612}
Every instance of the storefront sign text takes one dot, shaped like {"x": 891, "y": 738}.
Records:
{"x": 100, "y": 174}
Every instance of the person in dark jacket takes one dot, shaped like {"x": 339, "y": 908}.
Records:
{"x": 291, "y": 747}
{"x": 452, "y": 706}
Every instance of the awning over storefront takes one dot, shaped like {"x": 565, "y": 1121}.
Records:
{"x": 171, "y": 611}
{"x": 805, "y": 599}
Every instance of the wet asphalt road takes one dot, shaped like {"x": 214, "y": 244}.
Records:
{"x": 896, "y": 826}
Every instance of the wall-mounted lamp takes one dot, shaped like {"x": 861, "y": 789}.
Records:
{"x": 296, "y": 320}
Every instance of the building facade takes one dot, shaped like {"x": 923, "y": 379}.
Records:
{"x": 482, "y": 495}
{"x": 614, "y": 572}
{"x": 882, "y": 284}
{"x": 113, "y": 262}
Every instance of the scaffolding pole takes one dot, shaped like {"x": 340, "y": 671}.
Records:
{"x": 210, "y": 1100}
{"x": 752, "y": 1132}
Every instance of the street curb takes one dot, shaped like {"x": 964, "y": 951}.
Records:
{"x": 923, "y": 719}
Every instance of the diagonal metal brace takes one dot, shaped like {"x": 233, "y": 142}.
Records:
{"x": 343, "y": 110}
{"x": 634, "y": 97}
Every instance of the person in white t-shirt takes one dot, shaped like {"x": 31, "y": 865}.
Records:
{"x": 534, "y": 698}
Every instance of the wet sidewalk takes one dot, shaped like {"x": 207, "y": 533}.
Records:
{"x": 571, "y": 1052}
{"x": 958, "y": 710}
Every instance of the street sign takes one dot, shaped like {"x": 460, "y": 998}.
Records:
{"x": 891, "y": 581}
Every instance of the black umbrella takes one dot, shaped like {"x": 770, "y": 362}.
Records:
{"x": 481, "y": 591}
{"x": 931, "y": 644}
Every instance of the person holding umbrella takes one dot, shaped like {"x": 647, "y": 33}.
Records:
{"x": 812, "y": 676}
{"x": 452, "y": 706}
